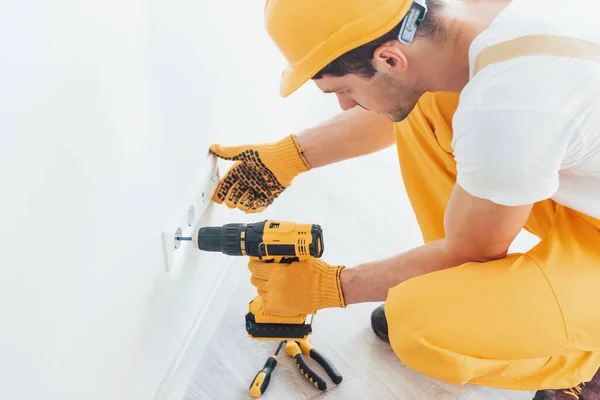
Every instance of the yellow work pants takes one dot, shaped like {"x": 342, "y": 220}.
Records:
{"x": 526, "y": 322}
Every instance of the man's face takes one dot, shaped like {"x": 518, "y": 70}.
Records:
{"x": 382, "y": 93}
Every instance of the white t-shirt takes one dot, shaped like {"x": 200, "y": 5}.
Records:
{"x": 528, "y": 129}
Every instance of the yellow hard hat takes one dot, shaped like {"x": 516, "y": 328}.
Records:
{"x": 312, "y": 33}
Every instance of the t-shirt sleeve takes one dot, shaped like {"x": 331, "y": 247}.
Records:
{"x": 510, "y": 156}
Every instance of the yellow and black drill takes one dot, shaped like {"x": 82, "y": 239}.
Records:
{"x": 271, "y": 241}
{"x": 277, "y": 242}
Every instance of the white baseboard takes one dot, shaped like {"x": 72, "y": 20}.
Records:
{"x": 180, "y": 373}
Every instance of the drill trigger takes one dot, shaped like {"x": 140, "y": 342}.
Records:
{"x": 288, "y": 260}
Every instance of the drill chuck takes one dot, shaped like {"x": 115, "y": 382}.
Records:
{"x": 224, "y": 239}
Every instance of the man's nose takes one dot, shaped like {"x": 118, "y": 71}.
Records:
{"x": 346, "y": 103}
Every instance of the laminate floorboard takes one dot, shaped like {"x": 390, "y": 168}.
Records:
{"x": 365, "y": 214}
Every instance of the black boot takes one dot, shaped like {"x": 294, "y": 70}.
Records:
{"x": 585, "y": 391}
{"x": 379, "y": 323}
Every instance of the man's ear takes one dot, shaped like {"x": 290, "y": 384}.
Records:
{"x": 390, "y": 56}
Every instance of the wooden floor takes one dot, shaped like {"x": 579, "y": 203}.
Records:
{"x": 365, "y": 214}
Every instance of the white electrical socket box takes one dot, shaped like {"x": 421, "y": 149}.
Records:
{"x": 186, "y": 220}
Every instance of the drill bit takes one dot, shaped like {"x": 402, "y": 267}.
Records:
{"x": 183, "y": 238}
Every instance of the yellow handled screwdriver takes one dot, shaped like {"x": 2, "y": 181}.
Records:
{"x": 263, "y": 377}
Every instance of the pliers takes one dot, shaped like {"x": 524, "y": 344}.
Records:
{"x": 298, "y": 349}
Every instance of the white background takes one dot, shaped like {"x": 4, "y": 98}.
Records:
{"x": 107, "y": 109}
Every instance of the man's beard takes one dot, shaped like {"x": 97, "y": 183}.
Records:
{"x": 403, "y": 98}
{"x": 403, "y": 110}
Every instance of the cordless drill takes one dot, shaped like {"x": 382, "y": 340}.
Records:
{"x": 271, "y": 241}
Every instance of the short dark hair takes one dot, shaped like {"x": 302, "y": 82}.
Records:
{"x": 360, "y": 60}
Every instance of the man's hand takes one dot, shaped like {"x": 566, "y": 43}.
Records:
{"x": 260, "y": 173}
{"x": 298, "y": 288}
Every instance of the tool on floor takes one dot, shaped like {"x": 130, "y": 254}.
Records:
{"x": 284, "y": 242}
{"x": 298, "y": 349}
{"x": 263, "y": 377}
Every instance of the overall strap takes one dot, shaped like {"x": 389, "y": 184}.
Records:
{"x": 546, "y": 45}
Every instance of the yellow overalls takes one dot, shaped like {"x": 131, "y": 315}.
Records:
{"x": 528, "y": 321}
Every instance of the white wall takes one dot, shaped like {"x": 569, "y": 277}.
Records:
{"x": 106, "y": 112}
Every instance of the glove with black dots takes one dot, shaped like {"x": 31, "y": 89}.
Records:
{"x": 260, "y": 173}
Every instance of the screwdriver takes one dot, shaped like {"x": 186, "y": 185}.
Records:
{"x": 262, "y": 379}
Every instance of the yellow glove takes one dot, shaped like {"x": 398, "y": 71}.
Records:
{"x": 260, "y": 173}
{"x": 302, "y": 287}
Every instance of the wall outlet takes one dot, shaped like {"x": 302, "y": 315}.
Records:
{"x": 186, "y": 220}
